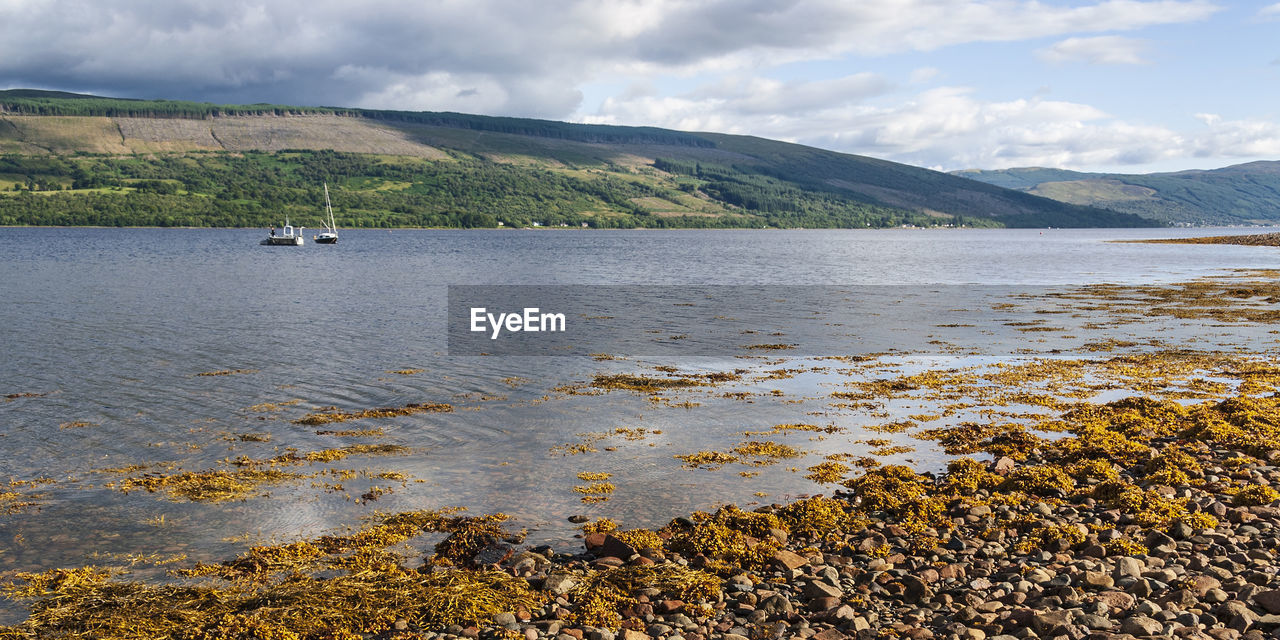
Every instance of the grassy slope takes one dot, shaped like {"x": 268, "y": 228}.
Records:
{"x": 831, "y": 180}
{"x": 1240, "y": 194}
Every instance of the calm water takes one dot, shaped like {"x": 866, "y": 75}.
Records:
{"x": 113, "y": 326}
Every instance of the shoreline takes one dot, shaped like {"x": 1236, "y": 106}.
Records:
{"x": 1146, "y": 518}
{"x": 1252, "y": 240}
{"x": 1208, "y": 239}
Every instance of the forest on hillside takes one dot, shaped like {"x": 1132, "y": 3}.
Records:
{"x": 223, "y": 189}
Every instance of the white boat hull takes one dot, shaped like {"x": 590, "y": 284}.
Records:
{"x": 282, "y": 241}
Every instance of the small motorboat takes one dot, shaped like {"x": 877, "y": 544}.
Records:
{"x": 288, "y": 236}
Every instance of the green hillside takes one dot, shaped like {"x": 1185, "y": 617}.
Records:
{"x": 72, "y": 159}
{"x": 1240, "y": 194}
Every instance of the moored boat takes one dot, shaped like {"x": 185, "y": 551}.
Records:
{"x": 288, "y": 236}
{"x": 330, "y": 233}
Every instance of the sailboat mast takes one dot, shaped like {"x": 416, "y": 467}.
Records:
{"x": 329, "y": 209}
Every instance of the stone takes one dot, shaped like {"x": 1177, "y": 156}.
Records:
{"x": 1046, "y": 620}
{"x": 1096, "y": 623}
{"x": 504, "y": 619}
{"x": 823, "y": 603}
{"x": 1127, "y": 567}
{"x": 915, "y": 590}
{"x": 559, "y": 584}
{"x": 1269, "y": 600}
{"x": 613, "y": 547}
{"x": 819, "y": 589}
{"x": 777, "y": 606}
{"x": 1140, "y": 625}
{"x": 657, "y": 630}
{"x": 1202, "y": 584}
{"x": 827, "y": 634}
{"x": 593, "y": 540}
{"x": 1003, "y": 465}
{"x": 1160, "y": 542}
{"x": 789, "y": 560}
{"x": 1117, "y": 600}
{"x": 632, "y": 634}
{"x": 492, "y": 555}
{"x": 1039, "y": 576}
{"x": 1097, "y": 580}
{"x": 843, "y": 612}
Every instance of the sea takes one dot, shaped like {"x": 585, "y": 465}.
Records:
{"x": 104, "y": 335}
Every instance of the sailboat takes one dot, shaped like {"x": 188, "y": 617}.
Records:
{"x": 330, "y": 233}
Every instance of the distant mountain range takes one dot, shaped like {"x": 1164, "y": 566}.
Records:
{"x": 97, "y": 160}
{"x": 1240, "y": 194}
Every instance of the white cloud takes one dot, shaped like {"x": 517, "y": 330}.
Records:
{"x": 1270, "y": 11}
{"x": 1095, "y": 50}
{"x": 924, "y": 74}
{"x": 949, "y": 128}
{"x": 539, "y": 54}
{"x": 1247, "y": 138}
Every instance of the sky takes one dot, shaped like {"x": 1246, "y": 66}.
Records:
{"x": 1130, "y": 86}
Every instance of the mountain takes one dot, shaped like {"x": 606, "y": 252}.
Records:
{"x": 70, "y": 158}
{"x": 1240, "y": 194}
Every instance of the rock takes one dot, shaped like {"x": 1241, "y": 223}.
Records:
{"x": 970, "y": 633}
{"x": 1140, "y": 625}
{"x": 1097, "y": 580}
{"x": 951, "y": 572}
{"x": 819, "y": 589}
{"x": 824, "y": 602}
{"x": 842, "y": 613}
{"x": 777, "y": 606}
{"x": 559, "y": 584}
{"x": 1269, "y": 600}
{"x": 493, "y": 554}
{"x": 504, "y": 619}
{"x": 1046, "y": 620}
{"x": 1096, "y": 622}
{"x": 778, "y": 534}
{"x": 1039, "y": 576}
{"x": 578, "y": 519}
{"x": 615, "y": 548}
{"x": 1127, "y": 567}
{"x": 1003, "y": 465}
{"x": 788, "y": 560}
{"x": 632, "y": 634}
{"x": 657, "y": 630}
{"x": 1160, "y": 542}
{"x": 1117, "y": 600}
{"x": 915, "y": 590}
{"x": 1202, "y": 584}
{"x": 828, "y": 634}
{"x": 1180, "y": 530}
